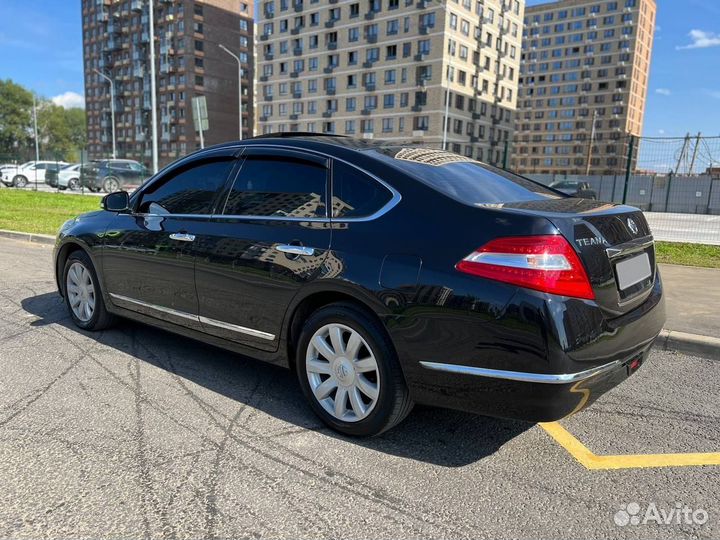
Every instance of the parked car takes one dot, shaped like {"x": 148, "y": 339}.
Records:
{"x": 382, "y": 275}
{"x": 576, "y": 188}
{"x": 32, "y": 172}
{"x": 67, "y": 177}
{"x": 111, "y": 175}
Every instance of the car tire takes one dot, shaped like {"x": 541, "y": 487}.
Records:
{"x": 83, "y": 296}
{"x": 111, "y": 184}
{"x": 361, "y": 391}
{"x": 20, "y": 181}
{"x": 74, "y": 184}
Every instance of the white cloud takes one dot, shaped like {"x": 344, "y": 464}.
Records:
{"x": 701, "y": 40}
{"x": 713, "y": 93}
{"x": 663, "y": 91}
{"x": 69, "y": 100}
{"x": 661, "y": 131}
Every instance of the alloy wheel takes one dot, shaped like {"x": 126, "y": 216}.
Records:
{"x": 343, "y": 373}
{"x": 81, "y": 291}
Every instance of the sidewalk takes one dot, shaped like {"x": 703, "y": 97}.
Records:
{"x": 692, "y": 297}
{"x": 692, "y": 300}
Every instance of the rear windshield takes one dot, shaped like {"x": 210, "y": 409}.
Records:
{"x": 469, "y": 181}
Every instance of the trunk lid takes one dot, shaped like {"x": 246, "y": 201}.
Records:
{"x": 613, "y": 241}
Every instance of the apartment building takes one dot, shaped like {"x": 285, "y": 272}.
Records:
{"x": 390, "y": 69}
{"x": 189, "y": 63}
{"x": 583, "y": 85}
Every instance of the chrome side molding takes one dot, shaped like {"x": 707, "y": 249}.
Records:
{"x": 196, "y": 318}
{"x": 545, "y": 378}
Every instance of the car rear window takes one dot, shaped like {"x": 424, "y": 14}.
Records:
{"x": 466, "y": 180}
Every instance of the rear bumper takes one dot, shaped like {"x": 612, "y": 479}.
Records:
{"x": 543, "y": 359}
{"x": 526, "y": 396}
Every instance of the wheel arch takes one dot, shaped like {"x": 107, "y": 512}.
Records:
{"x": 63, "y": 254}
{"x": 302, "y": 309}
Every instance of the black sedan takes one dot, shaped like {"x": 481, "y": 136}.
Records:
{"x": 383, "y": 275}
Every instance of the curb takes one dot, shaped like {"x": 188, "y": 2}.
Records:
{"x": 668, "y": 340}
{"x": 28, "y": 237}
{"x": 705, "y": 346}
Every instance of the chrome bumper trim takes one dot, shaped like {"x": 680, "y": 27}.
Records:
{"x": 196, "y": 318}
{"x": 561, "y": 378}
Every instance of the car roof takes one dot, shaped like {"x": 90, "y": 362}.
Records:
{"x": 368, "y": 147}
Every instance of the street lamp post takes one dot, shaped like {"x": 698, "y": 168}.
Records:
{"x": 240, "y": 111}
{"x": 153, "y": 90}
{"x": 446, "y": 118}
{"x": 112, "y": 108}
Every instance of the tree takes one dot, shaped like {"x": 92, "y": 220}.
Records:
{"x": 15, "y": 118}
{"x": 62, "y": 131}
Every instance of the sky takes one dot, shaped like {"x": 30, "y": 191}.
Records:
{"x": 41, "y": 48}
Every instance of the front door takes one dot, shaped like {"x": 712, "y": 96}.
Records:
{"x": 270, "y": 237}
{"x": 148, "y": 257}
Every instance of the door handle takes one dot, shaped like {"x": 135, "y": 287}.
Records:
{"x": 295, "y": 250}
{"x": 183, "y": 237}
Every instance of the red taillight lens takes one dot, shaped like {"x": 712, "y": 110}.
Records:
{"x": 545, "y": 263}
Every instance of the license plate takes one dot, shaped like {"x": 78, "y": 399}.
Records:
{"x": 632, "y": 271}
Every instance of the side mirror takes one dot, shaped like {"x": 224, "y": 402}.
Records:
{"x": 118, "y": 201}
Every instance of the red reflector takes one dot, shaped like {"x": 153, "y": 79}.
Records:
{"x": 546, "y": 263}
{"x": 635, "y": 364}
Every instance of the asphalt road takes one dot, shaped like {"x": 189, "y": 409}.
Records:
{"x": 693, "y": 228}
{"x": 136, "y": 432}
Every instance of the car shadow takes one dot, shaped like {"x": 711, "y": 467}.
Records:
{"x": 432, "y": 435}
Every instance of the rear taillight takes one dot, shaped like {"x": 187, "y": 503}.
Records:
{"x": 545, "y": 263}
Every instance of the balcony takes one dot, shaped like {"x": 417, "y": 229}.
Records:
{"x": 136, "y": 5}
{"x": 330, "y": 23}
{"x": 297, "y": 51}
{"x": 263, "y": 78}
{"x": 366, "y": 112}
{"x": 294, "y": 74}
{"x": 293, "y": 117}
{"x": 297, "y": 95}
{"x": 295, "y": 31}
{"x": 269, "y": 57}
{"x": 369, "y": 86}
{"x": 330, "y": 91}
{"x": 102, "y": 16}
{"x": 269, "y": 15}
{"x": 298, "y": 7}
{"x": 331, "y": 45}
{"x": 328, "y": 69}
{"x": 371, "y": 38}
{"x": 368, "y": 64}
{"x": 264, "y": 37}
{"x": 327, "y": 114}
{"x": 416, "y": 108}
{"x": 370, "y": 15}
{"x": 138, "y": 72}
{"x": 267, "y": 98}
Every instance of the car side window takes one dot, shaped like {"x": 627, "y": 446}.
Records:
{"x": 355, "y": 194}
{"x": 278, "y": 187}
{"x": 189, "y": 190}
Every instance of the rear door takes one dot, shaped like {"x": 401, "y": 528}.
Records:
{"x": 269, "y": 238}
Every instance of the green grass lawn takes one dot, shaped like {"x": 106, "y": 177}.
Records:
{"x": 41, "y": 213}
{"x": 688, "y": 254}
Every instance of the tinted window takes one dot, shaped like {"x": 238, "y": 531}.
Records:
{"x": 278, "y": 187}
{"x": 467, "y": 180}
{"x": 355, "y": 194}
{"x": 188, "y": 191}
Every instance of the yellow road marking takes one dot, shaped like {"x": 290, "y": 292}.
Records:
{"x": 631, "y": 461}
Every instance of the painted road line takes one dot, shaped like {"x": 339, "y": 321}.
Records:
{"x": 631, "y": 461}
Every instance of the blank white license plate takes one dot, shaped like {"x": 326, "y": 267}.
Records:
{"x": 632, "y": 271}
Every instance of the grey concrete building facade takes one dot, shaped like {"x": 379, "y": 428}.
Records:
{"x": 583, "y": 85}
{"x": 382, "y": 68}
